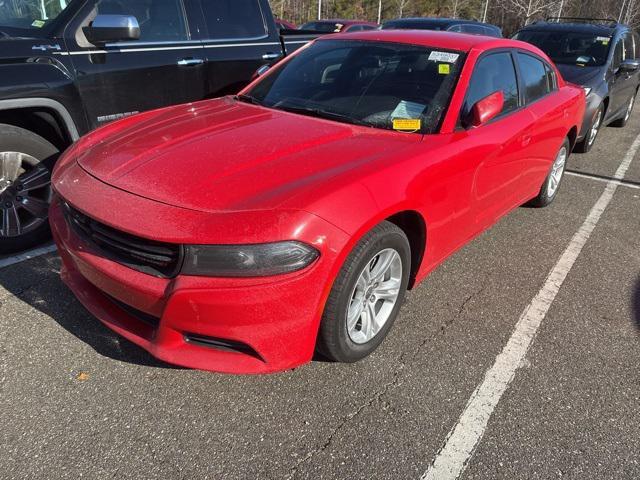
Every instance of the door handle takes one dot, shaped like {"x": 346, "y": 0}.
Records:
{"x": 189, "y": 62}
{"x": 271, "y": 56}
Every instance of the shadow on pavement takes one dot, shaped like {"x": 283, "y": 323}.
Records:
{"x": 37, "y": 283}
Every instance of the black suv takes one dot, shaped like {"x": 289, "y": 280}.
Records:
{"x": 601, "y": 56}
{"x": 69, "y": 66}
{"x": 443, "y": 24}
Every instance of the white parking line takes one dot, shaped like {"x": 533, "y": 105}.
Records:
{"x": 462, "y": 440}
{"x": 38, "y": 252}
{"x": 603, "y": 180}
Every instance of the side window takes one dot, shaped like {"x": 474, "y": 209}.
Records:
{"x": 551, "y": 78}
{"x": 455, "y": 28}
{"x": 493, "y": 73}
{"x": 534, "y": 77}
{"x": 354, "y": 28}
{"x": 229, "y": 19}
{"x": 618, "y": 55}
{"x": 160, "y": 20}
{"x": 636, "y": 43}
{"x": 629, "y": 52}
{"x": 473, "y": 29}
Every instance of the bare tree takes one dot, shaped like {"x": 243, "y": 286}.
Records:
{"x": 528, "y": 9}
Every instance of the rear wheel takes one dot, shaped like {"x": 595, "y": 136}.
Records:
{"x": 594, "y": 128}
{"x": 367, "y": 295}
{"x": 25, "y": 188}
{"x": 622, "y": 122}
{"x": 551, "y": 185}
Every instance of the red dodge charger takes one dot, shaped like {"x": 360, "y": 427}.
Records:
{"x": 244, "y": 233}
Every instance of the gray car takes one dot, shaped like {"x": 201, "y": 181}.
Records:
{"x": 602, "y": 57}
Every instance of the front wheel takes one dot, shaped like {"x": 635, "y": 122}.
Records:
{"x": 551, "y": 185}
{"x": 367, "y": 295}
{"x": 25, "y": 188}
{"x": 594, "y": 128}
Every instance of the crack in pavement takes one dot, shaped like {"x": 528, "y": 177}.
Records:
{"x": 403, "y": 360}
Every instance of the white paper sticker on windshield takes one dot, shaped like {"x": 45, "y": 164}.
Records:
{"x": 602, "y": 39}
{"x": 408, "y": 110}
{"x": 443, "y": 57}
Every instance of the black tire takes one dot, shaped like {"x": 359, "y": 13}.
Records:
{"x": 334, "y": 341}
{"x": 42, "y": 154}
{"x": 545, "y": 197}
{"x": 589, "y": 141}
{"x": 622, "y": 122}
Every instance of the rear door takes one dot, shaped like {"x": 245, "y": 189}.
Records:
{"x": 165, "y": 67}
{"x": 623, "y": 84}
{"x": 239, "y": 36}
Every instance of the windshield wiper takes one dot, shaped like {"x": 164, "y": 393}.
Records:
{"x": 243, "y": 97}
{"x": 318, "y": 112}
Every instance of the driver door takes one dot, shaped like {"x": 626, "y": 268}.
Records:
{"x": 164, "y": 67}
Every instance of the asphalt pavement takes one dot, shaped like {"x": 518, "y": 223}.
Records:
{"x": 77, "y": 401}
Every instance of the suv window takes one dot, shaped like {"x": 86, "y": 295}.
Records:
{"x": 160, "y": 20}
{"x": 228, "y": 19}
{"x": 473, "y": 29}
{"x": 493, "y": 73}
{"x": 629, "y": 51}
{"x": 618, "y": 54}
{"x": 534, "y": 77}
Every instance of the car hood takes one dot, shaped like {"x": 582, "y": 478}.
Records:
{"x": 224, "y": 155}
{"x": 585, "y": 76}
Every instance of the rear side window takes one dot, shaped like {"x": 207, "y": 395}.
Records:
{"x": 534, "y": 77}
{"x": 473, "y": 29}
{"x": 160, "y": 20}
{"x": 629, "y": 51}
{"x": 493, "y": 73}
{"x": 233, "y": 19}
{"x": 618, "y": 54}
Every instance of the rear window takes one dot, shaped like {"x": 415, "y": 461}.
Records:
{"x": 324, "y": 27}
{"x": 534, "y": 76}
{"x": 400, "y": 25}
{"x": 232, "y": 19}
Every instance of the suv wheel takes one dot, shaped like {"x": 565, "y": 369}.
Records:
{"x": 596, "y": 122}
{"x": 25, "y": 188}
{"x": 367, "y": 295}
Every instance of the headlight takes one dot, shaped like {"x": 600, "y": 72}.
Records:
{"x": 260, "y": 260}
{"x": 587, "y": 90}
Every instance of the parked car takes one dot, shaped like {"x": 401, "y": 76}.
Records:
{"x": 69, "y": 67}
{"x": 339, "y": 26}
{"x": 600, "y": 55}
{"x": 240, "y": 233}
{"x": 444, "y": 24}
{"x": 285, "y": 25}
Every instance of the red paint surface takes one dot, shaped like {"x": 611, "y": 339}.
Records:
{"x": 224, "y": 172}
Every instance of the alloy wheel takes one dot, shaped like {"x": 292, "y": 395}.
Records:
{"x": 374, "y": 296}
{"x": 593, "y": 133}
{"x": 556, "y": 172}
{"x": 25, "y": 193}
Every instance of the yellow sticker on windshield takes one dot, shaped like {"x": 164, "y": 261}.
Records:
{"x": 38, "y": 23}
{"x": 407, "y": 124}
{"x": 444, "y": 69}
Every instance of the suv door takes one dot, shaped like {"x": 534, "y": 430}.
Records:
{"x": 164, "y": 67}
{"x": 623, "y": 84}
{"x": 238, "y": 38}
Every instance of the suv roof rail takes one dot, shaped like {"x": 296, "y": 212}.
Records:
{"x": 597, "y": 21}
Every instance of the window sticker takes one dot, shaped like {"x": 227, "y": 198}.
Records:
{"x": 443, "y": 57}
{"x": 38, "y": 23}
{"x": 444, "y": 69}
{"x": 603, "y": 40}
{"x": 407, "y": 124}
{"x": 339, "y": 27}
{"x": 408, "y": 110}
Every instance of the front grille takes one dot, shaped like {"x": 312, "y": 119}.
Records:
{"x": 154, "y": 258}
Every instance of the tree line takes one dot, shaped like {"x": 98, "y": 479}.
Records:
{"x": 507, "y": 14}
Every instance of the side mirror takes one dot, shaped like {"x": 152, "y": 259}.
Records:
{"x": 112, "y": 28}
{"x": 629, "y": 66}
{"x": 487, "y": 109}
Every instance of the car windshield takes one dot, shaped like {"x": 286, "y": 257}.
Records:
{"x": 409, "y": 25}
{"x": 30, "y": 14}
{"x": 377, "y": 84}
{"x": 573, "y": 48}
{"x": 324, "y": 27}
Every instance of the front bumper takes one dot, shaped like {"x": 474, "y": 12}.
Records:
{"x": 223, "y": 325}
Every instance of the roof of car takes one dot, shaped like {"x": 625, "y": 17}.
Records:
{"x": 595, "y": 28}
{"x": 438, "y": 20}
{"x": 446, "y": 40}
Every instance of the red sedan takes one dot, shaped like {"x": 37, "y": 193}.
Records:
{"x": 244, "y": 233}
